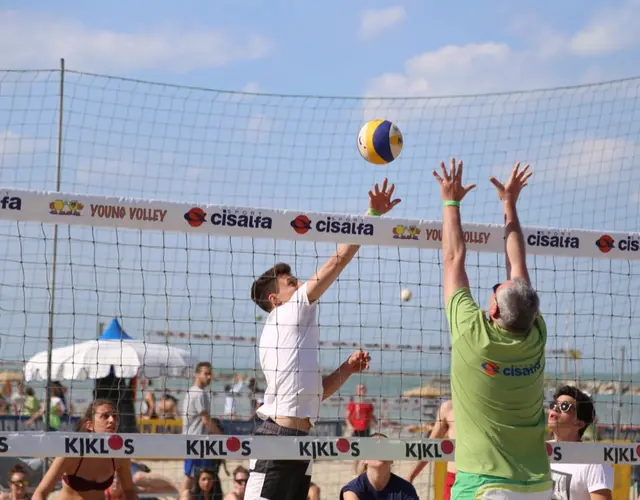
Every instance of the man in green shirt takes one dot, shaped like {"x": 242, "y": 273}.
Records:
{"x": 497, "y": 360}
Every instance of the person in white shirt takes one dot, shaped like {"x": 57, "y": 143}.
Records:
{"x": 570, "y": 413}
{"x": 289, "y": 347}
{"x": 231, "y": 392}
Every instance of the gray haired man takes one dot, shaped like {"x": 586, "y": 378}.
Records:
{"x": 497, "y": 359}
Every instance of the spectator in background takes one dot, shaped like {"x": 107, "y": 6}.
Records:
{"x": 231, "y": 391}
{"x": 31, "y": 403}
{"x": 378, "y": 482}
{"x": 196, "y": 420}
{"x": 18, "y": 484}
{"x": 207, "y": 487}
{"x": 18, "y": 399}
{"x": 359, "y": 417}
{"x": 167, "y": 407}
{"x": 240, "y": 478}
{"x": 571, "y": 413}
{"x": 148, "y": 407}
{"x": 57, "y": 408}
{"x": 256, "y": 396}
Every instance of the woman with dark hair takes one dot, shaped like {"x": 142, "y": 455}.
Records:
{"x": 87, "y": 478}
{"x": 207, "y": 487}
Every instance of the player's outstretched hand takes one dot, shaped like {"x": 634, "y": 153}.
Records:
{"x": 358, "y": 361}
{"x": 517, "y": 181}
{"x": 451, "y": 188}
{"x": 380, "y": 200}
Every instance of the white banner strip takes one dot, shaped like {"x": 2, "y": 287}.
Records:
{"x": 222, "y": 220}
{"x": 178, "y": 447}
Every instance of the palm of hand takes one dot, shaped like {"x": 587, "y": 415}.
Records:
{"x": 380, "y": 199}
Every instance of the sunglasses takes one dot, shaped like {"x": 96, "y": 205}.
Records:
{"x": 563, "y": 406}
{"x": 21, "y": 483}
{"x": 241, "y": 481}
{"x": 495, "y": 287}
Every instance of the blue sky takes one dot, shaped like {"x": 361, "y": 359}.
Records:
{"x": 152, "y": 141}
{"x": 329, "y": 47}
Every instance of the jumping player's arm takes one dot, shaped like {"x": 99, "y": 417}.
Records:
{"x": 123, "y": 466}
{"x": 515, "y": 252}
{"x": 453, "y": 247}
{"x": 58, "y": 467}
{"x": 357, "y": 362}
{"x": 439, "y": 431}
{"x": 380, "y": 203}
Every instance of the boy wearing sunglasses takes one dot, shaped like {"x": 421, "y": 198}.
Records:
{"x": 497, "y": 358}
{"x": 570, "y": 414}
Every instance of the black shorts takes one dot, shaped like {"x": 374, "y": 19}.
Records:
{"x": 278, "y": 479}
{"x": 361, "y": 434}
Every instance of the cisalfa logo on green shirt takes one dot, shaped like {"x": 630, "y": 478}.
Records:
{"x": 492, "y": 369}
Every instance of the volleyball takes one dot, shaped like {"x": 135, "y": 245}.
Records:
{"x": 379, "y": 142}
{"x": 406, "y": 295}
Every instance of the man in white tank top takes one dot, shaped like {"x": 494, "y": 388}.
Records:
{"x": 289, "y": 347}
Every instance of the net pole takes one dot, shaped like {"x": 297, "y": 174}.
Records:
{"x": 54, "y": 255}
{"x": 616, "y": 435}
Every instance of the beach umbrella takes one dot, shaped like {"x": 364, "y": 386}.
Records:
{"x": 113, "y": 350}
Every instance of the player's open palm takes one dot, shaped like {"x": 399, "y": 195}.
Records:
{"x": 358, "y": 361}
{"x": 516, "y": 182}
{"x": 451, "y": 188}
{"x": 380, "y": 200}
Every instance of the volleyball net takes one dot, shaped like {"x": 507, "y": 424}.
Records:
{"x": 172, "y": 200}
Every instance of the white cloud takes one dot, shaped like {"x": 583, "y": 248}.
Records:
{"x": 13, "y": 143}
{"x": 589, "y": 159}
{"x": 611, "y": 30}
{"x": 374, "y": 22}
{"x": 252, "y": 88}
{"x": 29, "y": 39}
{"x": 446, "y": 71}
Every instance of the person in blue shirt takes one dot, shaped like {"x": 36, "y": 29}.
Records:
{"x": 378, "y": 483}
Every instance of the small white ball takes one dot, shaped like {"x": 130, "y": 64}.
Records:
{"x": 406, "y": 295}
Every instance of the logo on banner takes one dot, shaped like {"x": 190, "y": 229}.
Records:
{"x": 606, "y": 243}
{"x": 421, "y": 451}
{"x": 82, "y": 446}
{"x": 554, "y": 452}
{"x": 66, "y": 207}
{"x": 318, "y": 449}
{"x": 132, "y": 213}
{"x": 334, "y": 225}
{"x": 621, "y": 455}
{"x": 229, "y": 218}
{"x": 207, "y": 448}
{"x": 406, "y": 233}
{"x": 475, "y": 237}
{"x": 10, "y": 203}
{"x": 4, "y": 446}
{"x": 553, "y": 240}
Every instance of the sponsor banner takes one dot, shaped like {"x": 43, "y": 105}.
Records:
{"x": 105, "y": 211}
{"x": 171, "y": 446}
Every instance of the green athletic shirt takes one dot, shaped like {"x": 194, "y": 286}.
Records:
{"x": 497, "y": 385}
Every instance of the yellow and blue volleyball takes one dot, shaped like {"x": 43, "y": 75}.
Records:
{"x": 379, "y": 142}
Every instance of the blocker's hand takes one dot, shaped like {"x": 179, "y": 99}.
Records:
{"x": 517, "y": 181}
{"x": 451, "y": 188}
{"x": 358, "y": 361}
{"x": 380, "y": 200}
